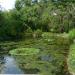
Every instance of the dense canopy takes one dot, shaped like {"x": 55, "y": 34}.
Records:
{"x": 32, "y": 15}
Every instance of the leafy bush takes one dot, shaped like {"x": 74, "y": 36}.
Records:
{"x": 37, "y": 33}
{"x": 72, "y": 34}
{"x": 71, "y": 58}
{"x": 48, "y": 35}
{"x": 28, "y": 32}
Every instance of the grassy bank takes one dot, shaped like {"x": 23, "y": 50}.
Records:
{"x": 71, "y": 58}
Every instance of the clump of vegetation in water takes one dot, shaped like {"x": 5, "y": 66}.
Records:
{"x": 24, "y": 51}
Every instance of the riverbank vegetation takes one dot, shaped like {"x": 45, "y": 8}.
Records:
{"x": 39, "y": 34}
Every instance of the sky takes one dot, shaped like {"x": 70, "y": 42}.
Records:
{"x": 7, "y": 4}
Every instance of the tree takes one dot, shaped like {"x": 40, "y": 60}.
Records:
{"x": 22, "y": 3}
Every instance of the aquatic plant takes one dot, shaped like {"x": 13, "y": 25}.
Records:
{"x": 24, "y": 51}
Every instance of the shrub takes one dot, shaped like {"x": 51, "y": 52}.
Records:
{"x": 37, "y": 33}
{"x": 72, "y": 34}
{"x": 48, "y": 35}
{"x": 71, "y": 58}
{"x": 28, "y": 32}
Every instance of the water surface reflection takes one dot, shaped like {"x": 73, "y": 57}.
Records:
{"x": 9, "y": 65}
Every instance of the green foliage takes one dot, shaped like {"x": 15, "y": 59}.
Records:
{"x": 37, "y": 33}
{"x": 48, "y": 35}
{"x": 71, "y": 58}
{"x": 22, "y": 3}
{"x": 46, "y": 15}
{"x": 24, "y": 51}
{"x": 72, "y": 34}
{"x": 29, "y": 30}
{"x": 28, "y": 33}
